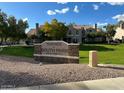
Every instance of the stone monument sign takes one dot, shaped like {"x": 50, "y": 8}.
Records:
{"x": 56, "y": 52}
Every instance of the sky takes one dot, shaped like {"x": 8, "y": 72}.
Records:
{"x": 81, "y": 13}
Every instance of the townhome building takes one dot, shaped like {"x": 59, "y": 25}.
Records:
{"x": 75, "y": 34}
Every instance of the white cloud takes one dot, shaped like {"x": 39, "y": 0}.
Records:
{"x": 54, "y": 12}
{"x": 116, "y": 3}
{"x": 62, "y": 2}
{"x": 119, "y": 17}
{"x": 62, "y": 11}
{"x": 50, "y": 12}
{"x": 101, "y": 24}
{"x": 25, "y": 19}
{"x": 76, "y": 10}
{"x": 95, "y": 7}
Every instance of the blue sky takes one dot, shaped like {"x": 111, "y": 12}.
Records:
{"x": 82, "y": 13}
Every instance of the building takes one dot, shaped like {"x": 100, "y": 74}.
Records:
{"x": 31, "y": 32}
{"x": 33, "y": 35}
{"x": 120, "y": 32}
{"x": 75, "y": 34}
{"x": 34, "y": 31}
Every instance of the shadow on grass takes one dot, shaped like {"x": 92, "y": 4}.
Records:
{"x": 82, "y": 57}
{"x": 89, "y": 47}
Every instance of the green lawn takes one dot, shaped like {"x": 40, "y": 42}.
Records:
{"x": 18, "y": 51}
{"x": 107, "y": 54}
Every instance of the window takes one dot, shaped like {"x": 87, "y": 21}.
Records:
{"x": 75, "y": 40}
{"x": 69, "y": 32}
{"x": 77, "y": 32}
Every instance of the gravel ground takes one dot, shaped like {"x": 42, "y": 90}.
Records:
{"x": 20, "y": 72}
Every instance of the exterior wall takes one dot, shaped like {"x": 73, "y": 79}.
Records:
{"x": 81, "y": 36}
{"x": 119, "y": 33}
{"x": 75, "y": 35}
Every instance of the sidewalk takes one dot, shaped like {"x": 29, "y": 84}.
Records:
{"x": 102, "y": 84}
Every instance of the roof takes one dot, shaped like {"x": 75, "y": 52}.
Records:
{"x": 41, "y": 26}
{"x": 31, "y": 32}
{"x": 85, "y": 27}
{"x": 78, "y": 27}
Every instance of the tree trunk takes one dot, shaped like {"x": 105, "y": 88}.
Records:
{"x": 108, "y": 40}
{"x": 5, "y": 39}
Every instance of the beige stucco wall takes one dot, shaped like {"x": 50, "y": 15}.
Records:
{"x": 119, "y": 33}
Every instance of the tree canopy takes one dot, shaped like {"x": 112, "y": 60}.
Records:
{"x": 111, "y": 30}
{"x": 11, "y": 28}
{"x": 55, "y": 30}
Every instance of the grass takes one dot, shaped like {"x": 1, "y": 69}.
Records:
{"x": 23, "y": 51}
{"x": 107, "y": 54}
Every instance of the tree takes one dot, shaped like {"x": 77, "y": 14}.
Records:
{"x": 21, "y": 27}
{"x": 41, "y": 35}
{"x": 120, "y": 22}
{"x": 96, "y": 37}
{"x": 47, "y": 28}
{"x": 17, "y": 29}
{"x": 12, "y": 29}
{"x": 3, "y": 25}
{"x": 55, "y": 30}
{"x": 111, "y": 30}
